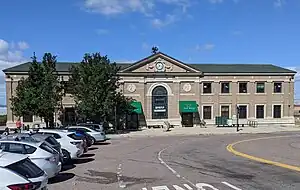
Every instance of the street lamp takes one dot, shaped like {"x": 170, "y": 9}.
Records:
{"x": 237, "y": 118}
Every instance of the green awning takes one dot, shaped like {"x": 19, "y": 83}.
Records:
{"x": 138, "y": 107}
{"x": 188, "y": 106}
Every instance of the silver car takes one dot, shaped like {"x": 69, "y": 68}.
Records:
{"x": 97, "y": 136}
{"x": 19, "y": 172}
{"x": 40, "y": 153}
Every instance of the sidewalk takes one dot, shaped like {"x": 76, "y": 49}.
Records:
{"x": 186, "y": 131}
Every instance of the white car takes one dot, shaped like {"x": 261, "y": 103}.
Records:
{"x": 70, "y": 147}
{"x": 18, "y": 172}
{"x": 40, "y": 153}
{"x": 98, "y": 136}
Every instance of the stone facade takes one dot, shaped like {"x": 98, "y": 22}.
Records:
{"x": 183, "y": 82}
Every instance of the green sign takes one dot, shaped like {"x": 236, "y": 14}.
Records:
{"x": 138, "y": 107}
{"x": 188, "y": 106}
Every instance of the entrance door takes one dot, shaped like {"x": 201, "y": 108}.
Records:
{"x": 187, "y": 119}
{"x": 159, "y": 103}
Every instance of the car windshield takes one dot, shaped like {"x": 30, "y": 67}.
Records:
{"x": 26, "y": 168}
{"x": 48, "y": 148}
{"x": 51, "y": 140}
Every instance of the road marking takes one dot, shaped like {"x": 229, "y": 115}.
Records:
{"x": 262, "y": 160}
{"x": 171, "y": 169}
{"x": 232, "y": 186}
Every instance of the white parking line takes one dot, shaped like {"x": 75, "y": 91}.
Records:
{"x": 232, "y": 186}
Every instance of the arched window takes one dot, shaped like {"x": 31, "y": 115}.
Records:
{"x": 159, "y": 103}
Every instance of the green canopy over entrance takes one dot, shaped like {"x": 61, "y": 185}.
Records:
{"x": 188, "y": 106}
{"x": 138, "y": 107}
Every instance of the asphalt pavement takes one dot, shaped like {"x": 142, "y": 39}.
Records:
{"x": 185, "y": 163}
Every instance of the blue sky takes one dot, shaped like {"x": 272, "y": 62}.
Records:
{"x": 196, "y": 31}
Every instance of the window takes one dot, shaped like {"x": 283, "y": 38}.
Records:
{"x": 243, "y": 112}
{"x": 29, "y": 149}
{"x": 225, "y": 111}
{"x": 28, "y": 118}
{"x": 260, "y": 111}
{"x": 26, "y": 168}
{"x": 207, "y": 112}
{"x": 277, "y": 87}
{"x": 67, "y": 87}
{"x": 260, "y": 87}
{"x": 56, "y": 136}
{"x": 277, "y": 111}
{"x": 242, "y": 87}
{"x": 48, "y": 148}
{"x": 13, "y": 148}
{"x": 225, "y": 88}
{"x": 207, "y": 88}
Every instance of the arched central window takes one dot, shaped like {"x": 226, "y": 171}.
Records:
{"x": 159, "y": 103}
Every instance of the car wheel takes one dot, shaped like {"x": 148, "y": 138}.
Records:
{"x": 66, "y": 156}
{"x": 93, "y": 140}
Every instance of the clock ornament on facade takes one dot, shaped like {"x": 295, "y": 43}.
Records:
{"x": 131, "y": 88}
{"x": 160, "y": 66}
{"x": 187, "y": 87}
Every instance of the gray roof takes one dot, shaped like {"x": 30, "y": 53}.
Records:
{"x": 205, "y": 68}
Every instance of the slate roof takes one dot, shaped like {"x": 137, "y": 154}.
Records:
{"x": 205, "y": 68}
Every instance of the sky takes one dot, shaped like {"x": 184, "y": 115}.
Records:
{"x": 193, "y": 31}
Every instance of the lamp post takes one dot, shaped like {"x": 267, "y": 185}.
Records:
{"x": 237, "y": 118}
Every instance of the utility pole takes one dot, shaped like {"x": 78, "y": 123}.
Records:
{"x": 237, "y": 118}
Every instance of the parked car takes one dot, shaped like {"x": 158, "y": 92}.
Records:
{"x": 97, "y": 136}
{"x": 88, "y": 138}
{"x": 40, "y": 153}
{"x": 71, "y": 148}
{"x": 18, "y": 172}
{"x": 33, "y": 137}
{"x": 49, "y": 139}
{"x": 96, "y": 127}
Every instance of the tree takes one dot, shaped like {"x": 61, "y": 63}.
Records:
{"x": 95, "y": 84}
{"x": 51, "y": 92}
{"x": 27, "y": 94}
{"x": 40, "y": 92}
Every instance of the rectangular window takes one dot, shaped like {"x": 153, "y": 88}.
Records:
{"x": 243, "y": 112}
{"x": 277, "y": 87}
{"x": 260, "y": 111}
{"x": 243, "y": 87}
{"x": 225, "y": 111}
{"x": 67, "y": 87}
{"x": 207, "y": 112}
{"x": 277, "y": 111}
{"x": 207, "y": 88}
{"x": 225, "y": 87}
{"x": 260, "y": 87}
{"x": 28, "y": 118}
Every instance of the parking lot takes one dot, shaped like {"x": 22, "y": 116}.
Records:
{"x": 182, "y": 163}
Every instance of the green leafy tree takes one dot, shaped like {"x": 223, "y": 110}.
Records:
{"x": 40, "y": 92}
{"x": 95, "y": 84}
{"x": 27, "y": 95}
{"x": 51, "y": 90}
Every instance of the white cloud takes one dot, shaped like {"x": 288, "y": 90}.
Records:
{"x": 111, "y": 7}
{"x": 10, "y": 55}
{"x": 102, "y": 31}
{"x": 205, "y": 47}
{"x": 159, "y": 23}
{"x": 148, "y": 8}
{"x": 23, "y": 45}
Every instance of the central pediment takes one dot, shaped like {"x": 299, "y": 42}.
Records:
{"x": 159, "y": 63}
